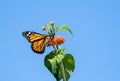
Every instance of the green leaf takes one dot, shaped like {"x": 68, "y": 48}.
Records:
{"x": 63, "y": 27}
{"x": 52, "y": 62}
{"x": 69, "y": 65}
{"x": 60, "y": 65}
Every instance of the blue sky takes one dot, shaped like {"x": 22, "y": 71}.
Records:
{"x": 95, "y": 47}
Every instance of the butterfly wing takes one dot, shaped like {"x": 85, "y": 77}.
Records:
{"x": 39, "y": 45}
{"x": 38, "y": 41}
{"x": 32, "y": 36}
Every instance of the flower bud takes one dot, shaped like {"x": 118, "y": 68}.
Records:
{"x": 43, "y": 28}
{"x": 52, "y": 23}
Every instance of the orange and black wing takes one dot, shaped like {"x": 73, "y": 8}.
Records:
{"x": 38, "y": 41}
{"x": 32, "y": 36}
{"x": 39, "y": 45}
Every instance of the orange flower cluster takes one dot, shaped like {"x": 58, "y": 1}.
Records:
{"x": 56, "y": 41}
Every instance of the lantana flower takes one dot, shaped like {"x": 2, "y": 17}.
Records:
{"x": 56, "y": 41}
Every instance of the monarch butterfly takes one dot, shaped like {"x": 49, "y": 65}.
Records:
{"x": 38, "y": 41}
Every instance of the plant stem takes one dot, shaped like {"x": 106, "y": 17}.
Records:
{"x": 53, "y": 29}
{"x": 63, "y": 71}
{"x": 54, "y": 47}
{"x": 62, "y": 68}
{"x": 57, "y": 80}
{"x": 57, "y": 47}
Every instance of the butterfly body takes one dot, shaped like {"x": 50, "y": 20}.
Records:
{"x": 38, "y": 41}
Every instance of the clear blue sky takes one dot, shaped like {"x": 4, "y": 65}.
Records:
{"x": 95, "y": 47}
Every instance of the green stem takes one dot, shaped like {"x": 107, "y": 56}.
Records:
{"x": 57, "y": 47}
{"x": 53, "y": 29}
{"x": 57, "y": 80}
{"x": 54, "y": 47}
{"x": 62, "y": 68}
{"x": 63, "y": 71}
